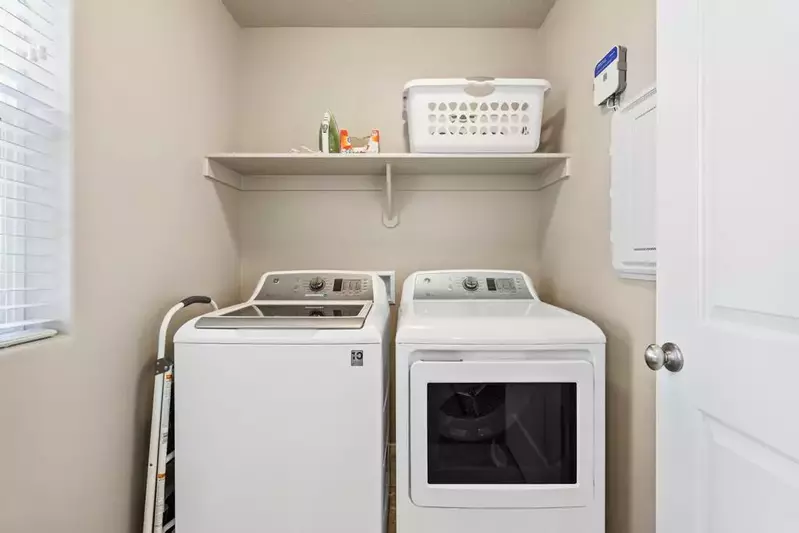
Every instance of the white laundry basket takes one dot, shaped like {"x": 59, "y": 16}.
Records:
{"x": 474, "y": 115}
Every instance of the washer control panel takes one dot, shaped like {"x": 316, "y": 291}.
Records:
{"x": 463, "y": 285}
{"x": 317, "y": 286}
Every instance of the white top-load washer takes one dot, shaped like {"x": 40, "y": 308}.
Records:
{"x": 500, "y": 408}
{"x": 281, "y": 409}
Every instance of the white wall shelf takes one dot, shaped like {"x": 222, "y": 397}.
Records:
{"x": 403, "y": 172}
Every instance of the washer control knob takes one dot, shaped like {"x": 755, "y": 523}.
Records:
{"x": 316, "y": 284}
{"x": 471, "y": 284}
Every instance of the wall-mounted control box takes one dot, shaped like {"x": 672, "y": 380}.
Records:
{"x": 610, "y": 75}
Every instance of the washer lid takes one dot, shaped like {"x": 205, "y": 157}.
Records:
{"x": 493, "y": 322}
{"x": 288, "y": 315}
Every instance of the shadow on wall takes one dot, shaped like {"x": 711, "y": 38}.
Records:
{"x": 621, "y": 416}
{"x": 619, "y": 419}
{"x": 546, "y": 212}
{"x": 229, "y": 202}
{"x": 620, "y": 442}
{"x": 551, "y": 142}
{"x": 552, "y": 132}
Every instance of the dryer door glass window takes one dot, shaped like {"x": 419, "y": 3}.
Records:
{"x": 502, "y": 433}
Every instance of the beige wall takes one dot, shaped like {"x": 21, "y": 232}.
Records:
{"x": 152, "y": 91}
{"x": 343, "y": 230}
{"x": 290, "y": 76}
{"x": 576, "y": 258}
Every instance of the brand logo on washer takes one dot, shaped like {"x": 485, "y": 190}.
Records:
{"x": 356, "y": 358}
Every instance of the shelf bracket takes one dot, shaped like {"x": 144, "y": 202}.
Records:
{"x": 219, "y": 173}
{"x": 390, "y": 218}
{"x": 555, "y": 174}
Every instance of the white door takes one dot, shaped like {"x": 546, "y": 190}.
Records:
{"x": 728, "y": 265}
{"x": 492, "y": 434}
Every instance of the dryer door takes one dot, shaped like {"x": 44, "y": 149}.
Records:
{"x": 502, "y": 434}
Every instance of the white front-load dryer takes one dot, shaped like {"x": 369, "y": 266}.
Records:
{"x": 500, "y": 409}
{"x": 281, "y": 409}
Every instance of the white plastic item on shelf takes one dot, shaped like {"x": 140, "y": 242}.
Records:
{"x": 474, "y": 115}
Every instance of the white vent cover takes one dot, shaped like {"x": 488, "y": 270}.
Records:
{"x": 633, "y": 185}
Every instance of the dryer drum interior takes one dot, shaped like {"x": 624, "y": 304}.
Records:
{"x": 502, "y": 433}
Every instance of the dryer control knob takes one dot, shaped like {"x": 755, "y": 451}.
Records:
{"x": 316, "y": 284}
{"x": 471, "y": 284}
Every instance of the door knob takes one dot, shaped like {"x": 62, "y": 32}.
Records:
{"x": 669, "y": 356}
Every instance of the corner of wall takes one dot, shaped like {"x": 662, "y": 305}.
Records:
{"x": 577, "y": 270}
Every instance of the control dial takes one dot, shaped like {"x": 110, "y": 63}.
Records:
{"x": 316, "y": 284}
{"x": 471, "y": 284}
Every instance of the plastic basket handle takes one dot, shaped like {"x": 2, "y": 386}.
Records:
{"x": 479, "y": 86}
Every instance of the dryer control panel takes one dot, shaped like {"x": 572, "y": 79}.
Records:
{"x": 477, "y": 285}
{"x": 316, "y": 286}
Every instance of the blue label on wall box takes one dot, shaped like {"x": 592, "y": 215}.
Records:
{"x": 611, "y": 56}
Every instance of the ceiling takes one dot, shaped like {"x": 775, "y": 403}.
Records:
{"x": 390, "y": 13}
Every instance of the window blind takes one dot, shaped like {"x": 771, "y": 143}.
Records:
{"x": 34, "y": 86}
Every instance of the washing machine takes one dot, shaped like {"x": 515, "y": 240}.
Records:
{"x": 281, "y": 409}
{"x": 500, "y": 409}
